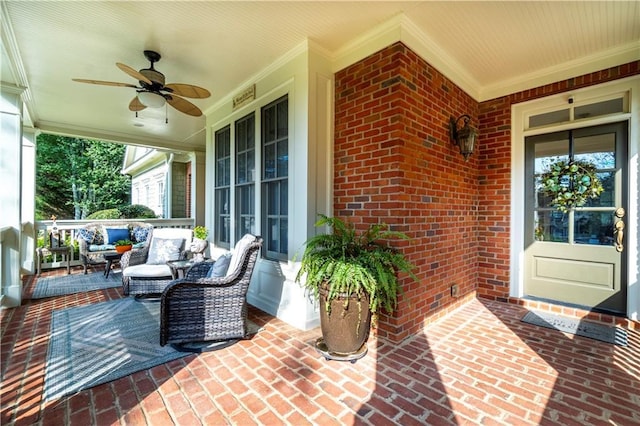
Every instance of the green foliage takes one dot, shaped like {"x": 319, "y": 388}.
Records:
{"x": 123, "y": 243}
{"x": 105, "y": 214}
{"x": 200, "y": 232}
{"x": 77, "y": 176}
{"x": 570, "y": 184}
{"x": 350, "y": 262}
{"x": 135, "y": 211}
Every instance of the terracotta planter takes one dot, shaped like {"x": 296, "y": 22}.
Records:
{"x": 344, "y": 330}
{"x": 122, "y": 249}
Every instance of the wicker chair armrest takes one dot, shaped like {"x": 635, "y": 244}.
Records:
{"x": 215, "y": 282}
{"x": 133, "y": 257}
{"x": 199, "y": 270}
{"x": 83, "y": 246}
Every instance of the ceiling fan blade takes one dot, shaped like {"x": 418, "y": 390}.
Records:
{"x": 104, "y": 83}
{"x": 188, "y": 90}
{"x": 184, "y": 105}
{"x": 133, "y": 73}
{"x": 136, "y": 105}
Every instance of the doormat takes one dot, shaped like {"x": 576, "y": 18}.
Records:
{"x": 602, "y": 332}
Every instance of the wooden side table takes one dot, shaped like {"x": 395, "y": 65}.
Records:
{"x": 41, "y": 252}
{"x": 110, "y": 258}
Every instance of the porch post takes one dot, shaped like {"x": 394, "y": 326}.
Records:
{"x": 28, "y": 194}
{"x": 10, "y": 194}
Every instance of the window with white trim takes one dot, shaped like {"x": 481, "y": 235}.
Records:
{"x": 275, "y": 179}
{"x": 222, "y": 234}
{"x": 245, "y": 188}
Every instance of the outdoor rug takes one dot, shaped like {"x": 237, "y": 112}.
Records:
{"x": 95, "y": 344}
{"x": 602, "y": 332}
{"x": 69, "y": 284}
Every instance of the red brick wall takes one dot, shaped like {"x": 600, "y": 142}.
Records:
{"x": 394, "y": 163}
{"x": 495, "y": 176}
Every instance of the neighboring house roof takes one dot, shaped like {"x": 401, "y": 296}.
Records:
{"x": 139, "y": 159}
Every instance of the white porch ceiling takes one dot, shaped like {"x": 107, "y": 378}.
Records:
{"x": 488, "y": 48}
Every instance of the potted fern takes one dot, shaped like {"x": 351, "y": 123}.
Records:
{"x": 353, "y": 275}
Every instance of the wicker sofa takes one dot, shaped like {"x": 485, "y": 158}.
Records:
{"x": 206, "y": 307}
{"x": 93, "y": 242}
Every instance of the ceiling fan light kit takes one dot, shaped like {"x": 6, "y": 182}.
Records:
{"x": 152, "y": 92}
{"x": 151, "y": 99}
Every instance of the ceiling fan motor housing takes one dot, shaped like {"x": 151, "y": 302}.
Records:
{"x": 156, "y": 77}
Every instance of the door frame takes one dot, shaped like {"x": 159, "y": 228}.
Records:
{"x": 519, "y": 113}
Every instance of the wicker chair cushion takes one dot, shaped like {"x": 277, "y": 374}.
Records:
{"x": 238, "y": 251}
{"x": 163, "y": 250}
{"x": 147, "y": 271}
{"x": 220, "y": 266}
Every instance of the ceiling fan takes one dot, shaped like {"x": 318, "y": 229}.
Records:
{"x": 152, "y": 92}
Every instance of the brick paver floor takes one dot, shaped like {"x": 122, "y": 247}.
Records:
{"x": 478, "y": 365}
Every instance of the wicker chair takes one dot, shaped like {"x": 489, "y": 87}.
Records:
{"x": 143, "y": 279}
{"x": 197, "y": 310}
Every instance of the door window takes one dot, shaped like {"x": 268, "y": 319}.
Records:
{"x": 592, "y": 223}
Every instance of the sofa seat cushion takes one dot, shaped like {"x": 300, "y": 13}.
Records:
{"x": 101, "y": 247}
{"x": 147, "y": 271}
{"x": 111, "y": 247}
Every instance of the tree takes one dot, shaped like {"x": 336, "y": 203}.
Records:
{"x": 75, "y": 177}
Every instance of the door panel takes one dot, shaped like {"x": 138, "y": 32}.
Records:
{"x": 571, "y": 257}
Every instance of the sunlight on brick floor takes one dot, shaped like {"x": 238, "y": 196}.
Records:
{"x": 478, "y": 365}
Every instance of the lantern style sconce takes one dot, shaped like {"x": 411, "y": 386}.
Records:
{"x": 465, "y": 137}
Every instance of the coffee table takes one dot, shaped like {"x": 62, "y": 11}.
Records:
{"x": 110, "y": 258}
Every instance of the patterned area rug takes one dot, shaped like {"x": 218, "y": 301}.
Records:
{"x": 99, "y": 343}
{"x": 69, "y": 284}
{"x": 602, "y": 332}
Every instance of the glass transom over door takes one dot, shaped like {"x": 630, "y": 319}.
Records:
{"x": 577, "y": 257}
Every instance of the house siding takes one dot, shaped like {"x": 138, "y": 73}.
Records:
{"x": 394, "y": 163}
{"x": 179, "y": 190}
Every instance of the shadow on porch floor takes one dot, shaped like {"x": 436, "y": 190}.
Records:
{"x": 479, "y": 364}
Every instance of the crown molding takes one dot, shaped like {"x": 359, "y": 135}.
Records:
{"x": 586, "y": 65}
{"x": 401, "y": 29}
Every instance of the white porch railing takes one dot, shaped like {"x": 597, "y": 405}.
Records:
{"x": 69, "y": 228}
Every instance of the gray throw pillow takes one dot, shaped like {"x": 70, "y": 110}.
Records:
{"x": 220, "y": 266}
{"x": 163, "y": 250}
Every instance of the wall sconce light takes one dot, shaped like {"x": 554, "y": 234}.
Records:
{"x": 465, "y": 137}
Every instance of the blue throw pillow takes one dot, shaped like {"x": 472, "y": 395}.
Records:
{"x": 140, "y": 234}
{"x": 115, "y": 234}
{"x": 220, "y": 266}
{"x": 87, "y": 234}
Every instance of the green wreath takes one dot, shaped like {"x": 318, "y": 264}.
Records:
{"x": 570, "y": 184}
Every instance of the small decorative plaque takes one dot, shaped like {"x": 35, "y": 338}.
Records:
{"x": 244, "y": 97}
